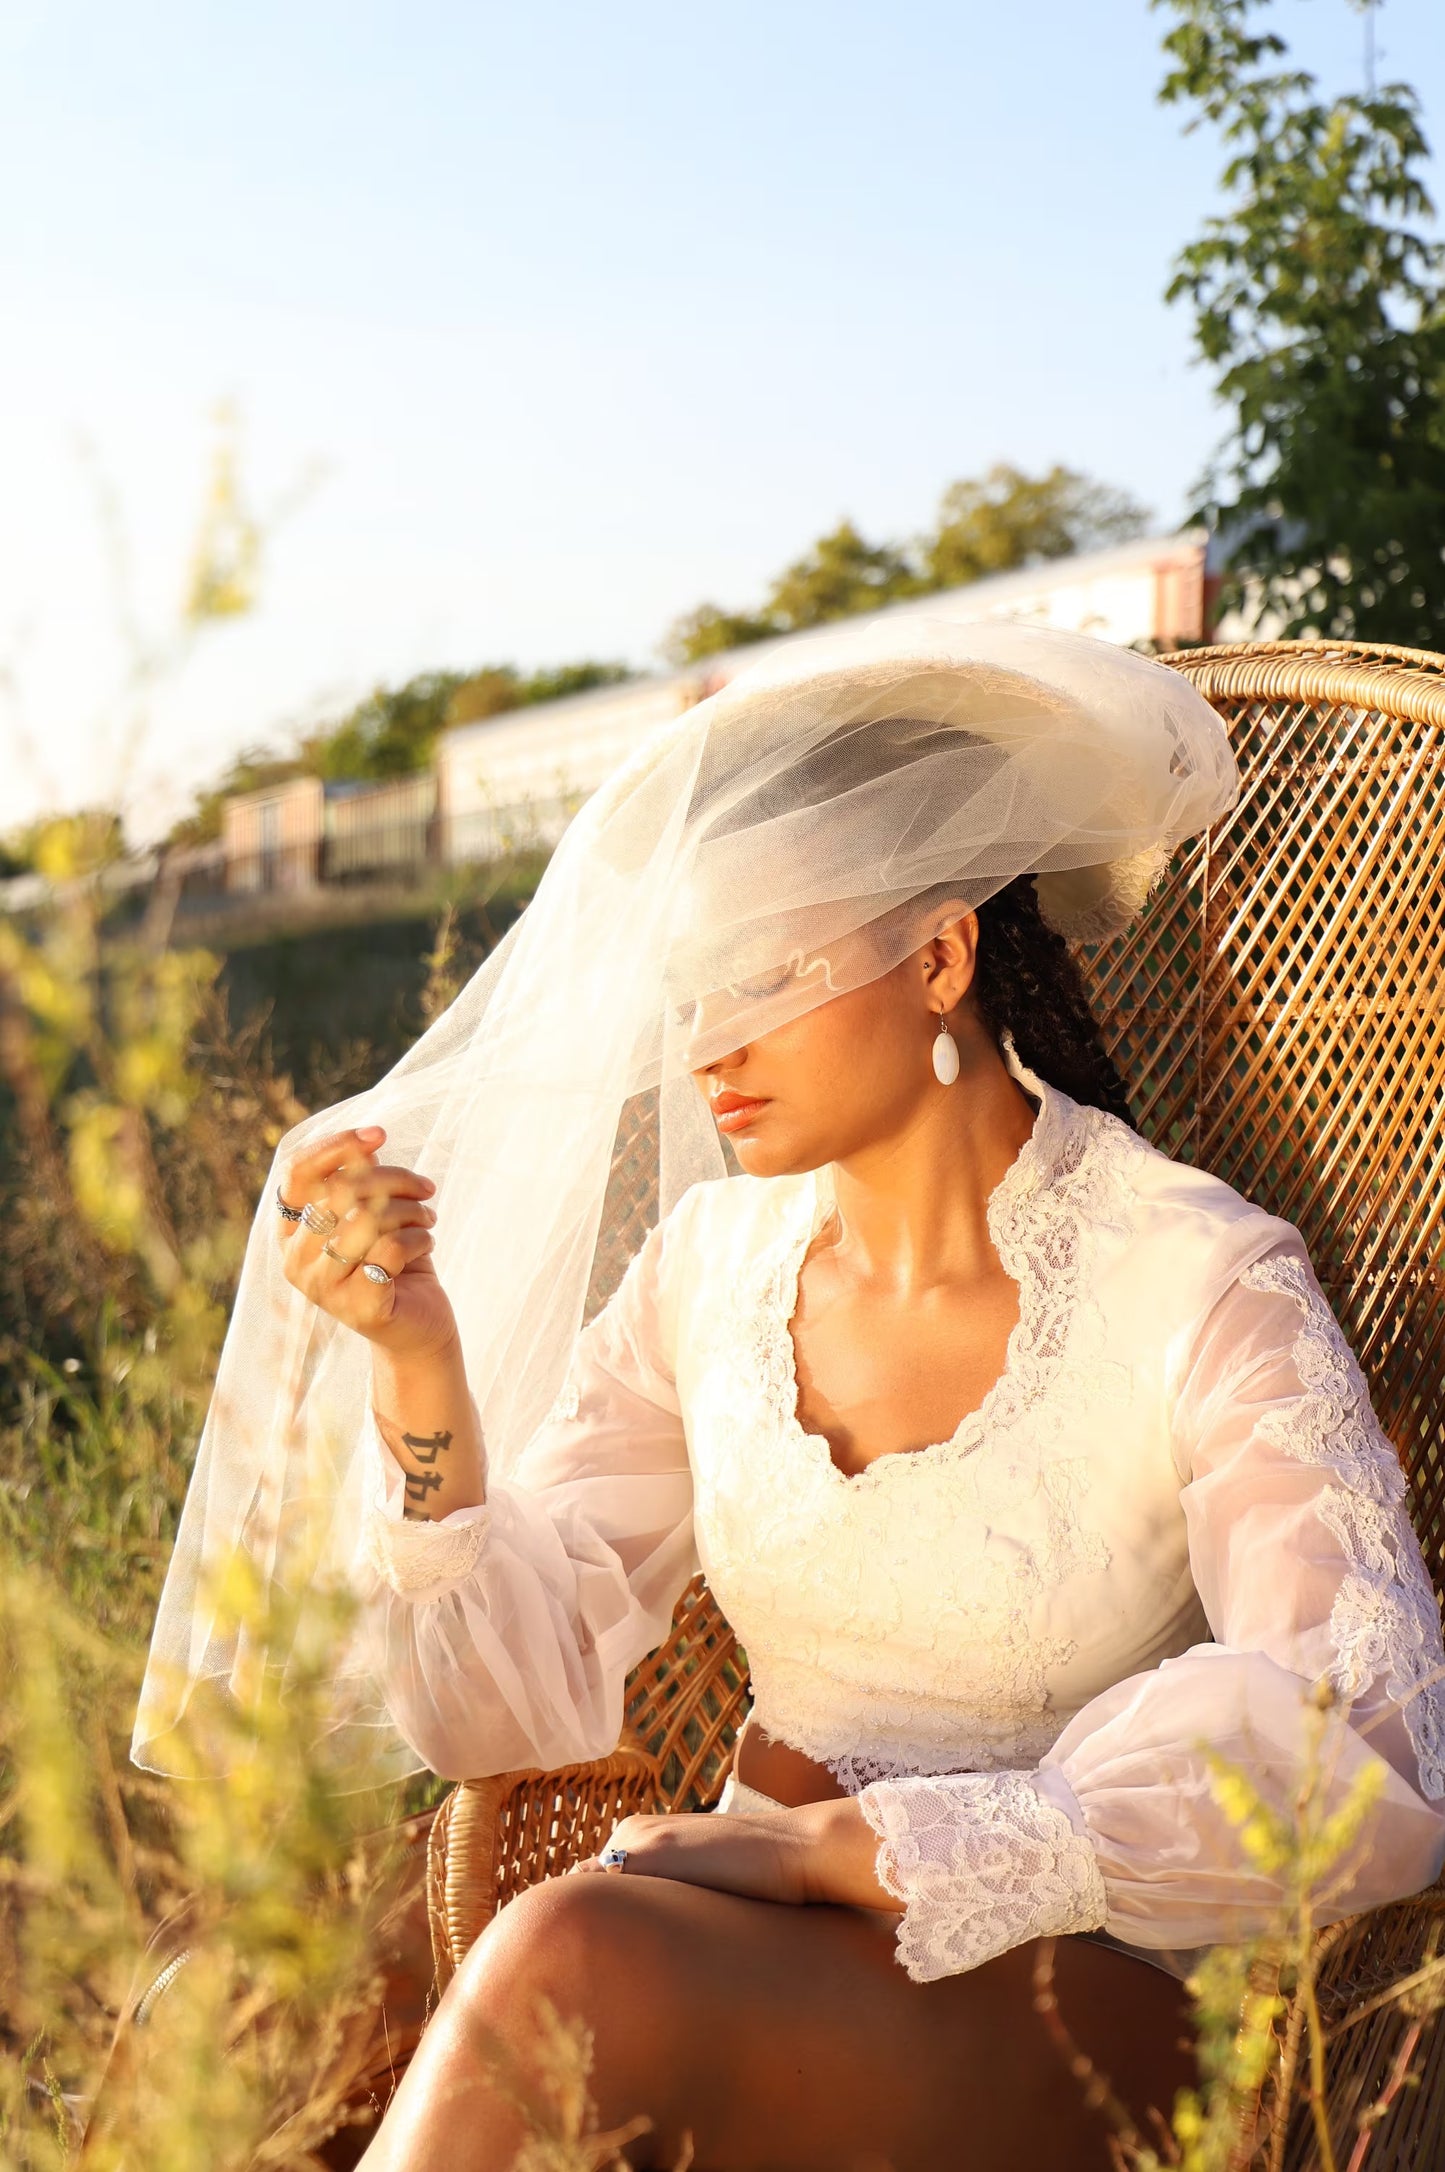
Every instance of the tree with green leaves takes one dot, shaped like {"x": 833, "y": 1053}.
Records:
{"x": 994, "y": 524}
{"x": 390, "y": 734}
{"x": 1319, "y": 303}
{"x": 709, "y": 631}
{"x": 1009, "y": 519}
{"x": 840, "y": 576}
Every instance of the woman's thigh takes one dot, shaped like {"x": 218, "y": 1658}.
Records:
{"x": 776, "y": 2037}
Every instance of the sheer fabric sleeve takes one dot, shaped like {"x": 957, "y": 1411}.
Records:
{"x": 1309, "y": 1571}
{"x": 503, "y": 1634}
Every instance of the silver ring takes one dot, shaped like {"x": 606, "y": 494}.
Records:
{"x": 340, "y": 1257}
{"x": 318, "y": 1219}
{"x": 373, "y": 1273}
{"x": 289, "y": 1214}
{"x": 612, "y": 1857}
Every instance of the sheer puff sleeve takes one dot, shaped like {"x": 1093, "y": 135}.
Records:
{"x": 504, "y": 1633}
{"x": 1308, "y": 1569}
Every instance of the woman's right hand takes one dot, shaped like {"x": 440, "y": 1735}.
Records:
{"x": 382, "y": 1218}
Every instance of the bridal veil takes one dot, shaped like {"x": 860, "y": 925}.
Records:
{"x": 778, "y": 843}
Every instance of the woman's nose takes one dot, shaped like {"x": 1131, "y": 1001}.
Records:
{"x": 709, "y": 1015}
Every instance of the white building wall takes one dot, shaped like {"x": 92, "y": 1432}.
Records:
{"x": 517, "y": 779}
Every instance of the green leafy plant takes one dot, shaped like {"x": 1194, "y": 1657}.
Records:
{"x": 1318, "y": 301}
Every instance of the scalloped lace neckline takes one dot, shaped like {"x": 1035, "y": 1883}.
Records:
{"x": 1035, "y": 1165}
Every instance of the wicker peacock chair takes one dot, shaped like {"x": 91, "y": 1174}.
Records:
{"x": 1280, "y": 1016}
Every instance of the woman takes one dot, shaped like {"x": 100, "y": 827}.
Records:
{"x": 980, "y": 1414}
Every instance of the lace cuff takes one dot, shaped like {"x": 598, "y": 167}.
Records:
{"x": 415, "y": 1558}
{"x": 981, "y": 1861}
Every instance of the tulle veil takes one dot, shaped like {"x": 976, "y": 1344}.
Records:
{"x": 778, "y": 843}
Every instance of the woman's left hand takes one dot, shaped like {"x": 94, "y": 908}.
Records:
{"x": 820, "y": 1851}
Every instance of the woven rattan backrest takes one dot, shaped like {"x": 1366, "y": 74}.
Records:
{"x": 1277, "y": 1012}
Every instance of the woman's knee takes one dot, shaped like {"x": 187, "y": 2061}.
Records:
{"x": 603, "y": 1961}
{"x": 581, "y": 1943}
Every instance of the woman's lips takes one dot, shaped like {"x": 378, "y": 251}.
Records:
{"x": 734, "y": 1112}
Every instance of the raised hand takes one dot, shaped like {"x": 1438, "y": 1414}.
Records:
{"x": 382, "y": 1222}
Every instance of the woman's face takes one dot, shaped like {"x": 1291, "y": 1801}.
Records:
{"x": 850, "y": 1074}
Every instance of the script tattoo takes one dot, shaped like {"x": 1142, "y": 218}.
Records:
{"x": 426, "y": 1447}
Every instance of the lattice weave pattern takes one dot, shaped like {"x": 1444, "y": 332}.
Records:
{"x": 1279, "y": 1015}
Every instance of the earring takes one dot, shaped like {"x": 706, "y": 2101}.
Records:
{"x": 945, "y": 1055}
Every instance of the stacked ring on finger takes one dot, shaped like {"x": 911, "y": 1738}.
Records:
{"x": 318, "y": 1219}
{"x": 340, "y": 1257}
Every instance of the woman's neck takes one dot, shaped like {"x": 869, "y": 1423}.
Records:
{"x": 913, "y": 1208}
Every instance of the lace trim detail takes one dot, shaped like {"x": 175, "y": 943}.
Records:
{"x": 932, "y": 1760}
{"x": 1067, "y": 1182}
{"x": 413, "y": 1556}
{"x": 1385, "y": 1619}
{"x": 981, "y": 1862}
{"x": 835, "y": 1584}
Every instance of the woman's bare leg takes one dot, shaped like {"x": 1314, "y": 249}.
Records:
{"x": 779, "y": 2039}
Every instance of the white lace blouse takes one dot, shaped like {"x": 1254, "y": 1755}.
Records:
{"x": 999, "y": 1643}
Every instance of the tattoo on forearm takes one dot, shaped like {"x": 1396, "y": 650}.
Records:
{"x": 420, "y": 1485}
{"x": 426, "y": 1446}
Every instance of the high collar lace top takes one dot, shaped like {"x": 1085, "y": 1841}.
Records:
{"x": 1000, "y": 1641}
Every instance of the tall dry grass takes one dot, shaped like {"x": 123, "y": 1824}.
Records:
{"x": 250, "y": 1914}
{"x": 135, "y": 1134}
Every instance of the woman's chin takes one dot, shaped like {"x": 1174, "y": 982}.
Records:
{"x": 762, "y": 1156}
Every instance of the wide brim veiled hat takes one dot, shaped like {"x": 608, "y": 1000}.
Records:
{"x": 1046, "y": 696}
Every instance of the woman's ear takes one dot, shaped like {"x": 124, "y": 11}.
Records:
{"x": 950, "y": 957}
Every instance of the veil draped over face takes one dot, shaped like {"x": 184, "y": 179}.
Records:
{"x": 779, "y": 843}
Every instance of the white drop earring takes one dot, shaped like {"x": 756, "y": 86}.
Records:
{"x": 945, "y": 1055}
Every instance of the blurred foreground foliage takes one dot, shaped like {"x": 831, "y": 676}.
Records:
{"x": 134, "y": 1135}
{"x": 253, "y": 1910}
{"x": 247, "y": 1904}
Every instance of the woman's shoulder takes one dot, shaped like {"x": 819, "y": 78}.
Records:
{"x": 712, "y": 1238}
{"x": 728, "y": 1211}
{"x": 1210, "y": 1228}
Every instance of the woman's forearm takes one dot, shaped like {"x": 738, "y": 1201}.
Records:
{"x": 427, "y": 1418}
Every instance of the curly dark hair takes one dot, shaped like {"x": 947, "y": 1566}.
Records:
{"x": 1027, "y": 979}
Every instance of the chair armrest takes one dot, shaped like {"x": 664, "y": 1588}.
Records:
{"x": 493, "y": 1837}
{"x": 680, "y": 1715}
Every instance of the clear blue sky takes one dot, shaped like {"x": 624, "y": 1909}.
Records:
{"x": 589, "y": 313}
